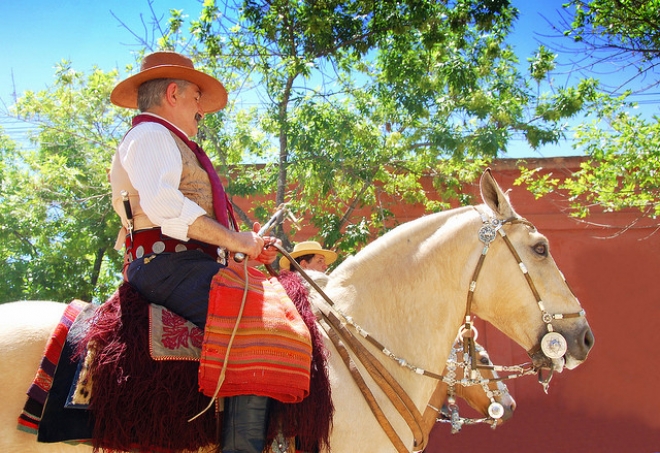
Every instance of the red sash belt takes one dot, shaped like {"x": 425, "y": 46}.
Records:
{"x": 148, "y": 242}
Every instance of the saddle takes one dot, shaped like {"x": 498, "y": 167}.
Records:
{"x": 100, "y": 388}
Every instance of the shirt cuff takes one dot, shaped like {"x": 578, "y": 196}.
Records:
{"x": 178, "y": 228}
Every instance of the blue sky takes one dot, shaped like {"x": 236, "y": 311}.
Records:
{"x": 41, "y": 33}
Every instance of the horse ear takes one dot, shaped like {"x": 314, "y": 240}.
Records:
{"x": 494, "y": 197}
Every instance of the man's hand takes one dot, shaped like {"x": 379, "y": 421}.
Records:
{"x": 249, "y": 243}
{"x": 268, "y": 253}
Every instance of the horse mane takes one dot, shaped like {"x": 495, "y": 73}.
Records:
{"x": 410, "y": 272}
{"x": 396, "y": 243}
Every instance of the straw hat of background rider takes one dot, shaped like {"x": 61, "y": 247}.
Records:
{"x": 170, "y": 65}
{"x": 310, "y": 255}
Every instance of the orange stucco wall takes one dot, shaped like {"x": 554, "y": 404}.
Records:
{"x": 611, "y": 403}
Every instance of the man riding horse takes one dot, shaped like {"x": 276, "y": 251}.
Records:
{"x": 178, "y": 223}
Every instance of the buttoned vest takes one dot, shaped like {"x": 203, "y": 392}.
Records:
{"x": 194, "y": 185}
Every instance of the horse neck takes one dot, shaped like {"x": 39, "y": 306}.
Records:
{"x": 408, "y": 289}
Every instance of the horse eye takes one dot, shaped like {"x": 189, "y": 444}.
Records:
{"x": 541, "y": 249}
{"x": 484, "y": 360}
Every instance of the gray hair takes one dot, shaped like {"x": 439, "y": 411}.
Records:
{"x": 150, "y": 93}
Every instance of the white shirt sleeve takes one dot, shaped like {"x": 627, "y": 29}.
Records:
{"x": 152, "y": 160}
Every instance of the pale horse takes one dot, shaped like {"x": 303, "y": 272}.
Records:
{"x": 408, "y": 290}
{"x": 24, "y": 336}
{"x": 23, "y": 356}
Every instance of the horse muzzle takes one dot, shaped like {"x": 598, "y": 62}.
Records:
{"x": 556, "y": 351}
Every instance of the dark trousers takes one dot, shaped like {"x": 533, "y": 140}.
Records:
{"x": 178, "y": 281}
{"x": 181, "y": 282}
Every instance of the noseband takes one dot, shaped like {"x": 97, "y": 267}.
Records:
{"x": 553, "y": 344}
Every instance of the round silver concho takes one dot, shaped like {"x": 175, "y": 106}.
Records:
{"x": 553, "y": 345}
{"x": 158, "y": 247}
{"x": 487, "y": 234}
{"x": 180, "y": 248}
{"x": 139, "y": 252}
{"x": 496, "y": 410}
{"x": 222, "y": 255}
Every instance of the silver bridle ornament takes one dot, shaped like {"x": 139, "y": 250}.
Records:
{"x": 495, "y": 409}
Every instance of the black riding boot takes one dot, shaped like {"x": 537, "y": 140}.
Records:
{"x": 244, "y": 425}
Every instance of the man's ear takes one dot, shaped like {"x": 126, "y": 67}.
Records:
{"x": 171, "y": 93}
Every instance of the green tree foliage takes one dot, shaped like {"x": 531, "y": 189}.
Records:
{"x": 622, "y": 147}
{"x": 345, "y": 105}
{"x": 620, "y": 31}
{"x": 360, "y": 99}
{"x": 58, "y": 228}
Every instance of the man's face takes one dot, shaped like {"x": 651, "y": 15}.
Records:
{"x": 188, "y": 110}
{"x": 317, "y": 263}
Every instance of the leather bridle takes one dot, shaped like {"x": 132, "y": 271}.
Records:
{"x": 553, "y": 345}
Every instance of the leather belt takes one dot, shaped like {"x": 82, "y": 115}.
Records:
{"x": 153, "y": 241}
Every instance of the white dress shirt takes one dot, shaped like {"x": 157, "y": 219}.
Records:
{"x": 152, "y": 160}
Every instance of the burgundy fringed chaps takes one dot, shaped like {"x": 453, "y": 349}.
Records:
{"x": 144, "y": 405}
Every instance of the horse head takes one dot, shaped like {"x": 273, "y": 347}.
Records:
{"x": 534, "y": 306}
{"x": 404, "y": 296}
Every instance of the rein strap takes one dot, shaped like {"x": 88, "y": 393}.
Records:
{"x": 390, "y": 387}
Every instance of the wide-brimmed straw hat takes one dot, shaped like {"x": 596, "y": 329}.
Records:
{"x": 170, "y": 65}
{"x": 308, "y": 248}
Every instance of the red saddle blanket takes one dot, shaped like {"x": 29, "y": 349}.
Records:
{"x": 38, "y": 392}
{"x": 271, "y": 351}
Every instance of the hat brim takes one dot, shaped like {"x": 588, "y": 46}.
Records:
{"x": 329, "y": 255}
{"x": 214, "y": 95}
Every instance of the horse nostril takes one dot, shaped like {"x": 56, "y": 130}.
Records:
{"x": 588, "y": 339}
{"x": 508, "y": 411}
